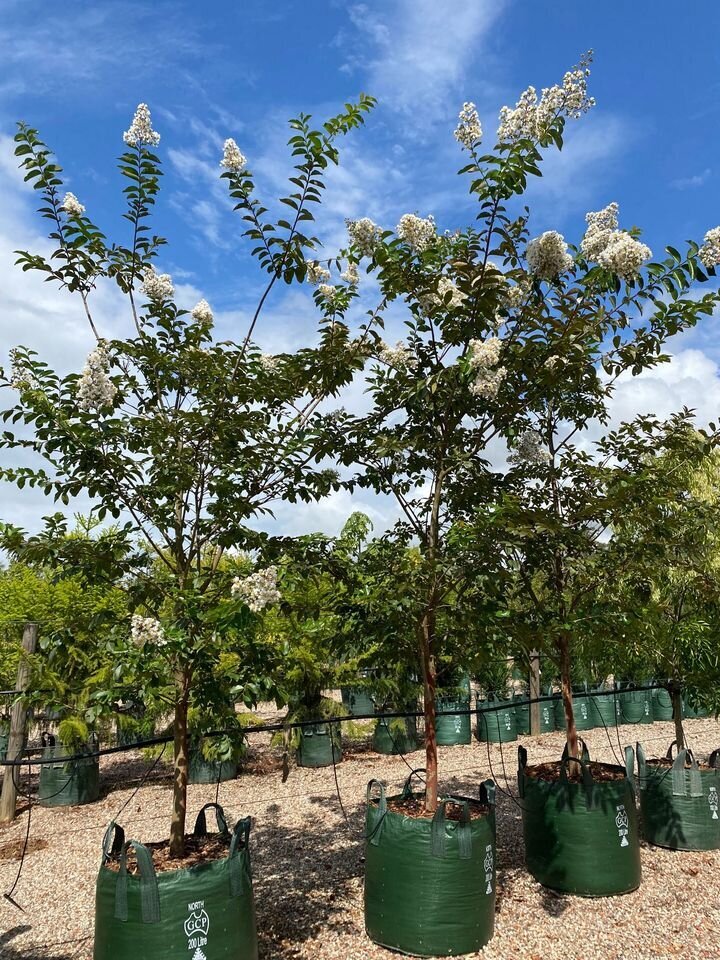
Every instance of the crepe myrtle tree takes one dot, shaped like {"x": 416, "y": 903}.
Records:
{"x": 184, "y": 435}
{"x": 499, "y": 324}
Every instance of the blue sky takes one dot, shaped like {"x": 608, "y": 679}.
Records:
{"x": 76, "y": 70}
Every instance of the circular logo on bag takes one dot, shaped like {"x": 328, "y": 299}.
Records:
{"x": 622, "y": 823}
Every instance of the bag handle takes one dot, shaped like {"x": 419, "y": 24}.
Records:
{"x": 239, "y": 866}
{"x": 113, "y": 841}
{"x": 630, "y": 766}
{"x": 374, "y": 837}
{"x": 149, "y": 894}
{"x": 487, "y": 792}
{"x": 679, "y": 781}
{"x": 407, "y": 787}
{"x": 585, "y": 752}
{"x": 585, "y": 772}
{"x": 201, "y": 821}
{"x": 713, "y": 758}
{"x": 437, "y": 831}
{"x": 47, "y": 740}
{"x": 642, "y": 765}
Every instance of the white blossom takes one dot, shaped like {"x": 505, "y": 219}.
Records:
{"x": 95, "y": 389}
{"x": 530, "y": 118}
{"x": 484, "y": 359}
{"x": 547, "y": 255}
{"x": 528, "y": 449}
{"x": 141, "y": 133}
{"x": 20, "y": 377}
{"x": 72, "y": 206}
{"x": 624, "y": 255}
{"x": 233, "y": 159}
{"x": 364, "y": 235}
{"x": 350, "y": 274}
{"x": 416, "y": 231}
{"x": 328, "y": 292}
{"x": 157, "y": 286}
{"x": 202, "y": 312}
{"x": 269, "y": 362}
{"x": 613, "y": 249}
{"x": 258, "y": 589}
{"x": 147, "y": 631}
{"x": 469, "y": 129}
{"x": 445, "y": 287}
{"x": 554, "y": 361}
{"x": 315, "y": 273}
{"x": 514, "y": 295}
{"x": 400, "y": 356}
{"x": 709, "y": 252}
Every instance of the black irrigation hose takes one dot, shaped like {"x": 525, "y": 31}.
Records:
{"x": 8, "y": 895}
{"x": 142, "y": 781}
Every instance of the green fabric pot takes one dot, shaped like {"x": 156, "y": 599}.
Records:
{"x": 429, "y": 884}
{"x": 452, "y": 728}
{"x": 547, "y": 716}
{"x": 358, "y": 702}
{"x": 632, "y": 705}
{"x": 662, "y": 708}
{"x": 127, "y": 737}
{"x": 320, "y": 745}
{"x": 693, "y": 713}
{"x": 4, "y": 738}
{"x": 522, "y": 716}
{"x": 604, "y": 710}
{"x": 388, "y": 740}
{"x": 204, "y": 911}
{"x": 201, "y": 770}
{"x": 679, "y": 804}
{"x": 496, "y": 725}
{"x": 581, "y": 838}
{"x": 67, "y": 783}
{"x": 582, "y": 708}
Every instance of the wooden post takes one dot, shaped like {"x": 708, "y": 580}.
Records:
{"x": 534, "y": 693}
{"x": 18, "y": 719}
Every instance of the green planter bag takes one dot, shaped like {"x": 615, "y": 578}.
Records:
{"x": 632, "y": 705}
{"x": 522, "y": 715}
{"x": 604, "y": 709}
{"x": 453, "y": 727}
{"x": 201, "y": 770}
{"x": 395, "y": 735}
{"x": 581, "y": 838}
{"x": 496, "y": 721}
{"x": 204, "y": 911}
{"x": 4, "y": 738}
{"x": 679, "y": 803}
{"x": 68, "y": 783}
{"x": 547, "y": 714}
{"x": 430, "y": 883}
{"x": 358, "y": 702}
{"x": 582, "y": 709}
{"x": 320, "y": 745}
{"x": 662, "y": 708}
{"x": 693, "y": 713}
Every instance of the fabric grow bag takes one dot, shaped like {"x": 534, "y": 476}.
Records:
{"x": 691, "y": 712}
{"x": 582, "y": 711}
{"x": 662, "y": 708}
{"x": 604, "y": 709}
{"x": 496, "y": 721}
{"x": 581, "y": 838}
{"x": 204, "y": 911}
{"x": 389, "y": 740}
{"x": 679, "y": 803}
{"x": 358, "y": 702}
{"x": 66, "y": 783}
{"x": 429, "y": 883}
{"x": 319, "y": 745}
{"x": 547, "y": 715}
{"x": 4, "y": 739}
{"x": 634, "y": 706}
{"x": 452, "y": 728}
{"x": 201, "y": 770}
{"x": 522, "y": 715}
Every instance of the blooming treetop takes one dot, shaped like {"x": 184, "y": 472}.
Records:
{"x": 258, "y": 590}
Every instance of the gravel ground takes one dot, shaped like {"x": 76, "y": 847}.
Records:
{"x": 308, "y": 861}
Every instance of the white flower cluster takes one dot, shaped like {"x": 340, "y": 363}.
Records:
{"x": 484, "y": 359}
{"x": 554, "y": 361}
{"x": 316, "y": 274}
{"x": 709, "y": 252}
{"x": 350, "y": 274}
{"x": 202, "y": 312}
{"x": 72, "y": 206}
{"x": 20, "y": 376}
{"x": 400, "y": 356}
{"x": 328, "y": 292}
{"x": 364, "y": 235}
{"x": 531, "y": 117}
{"x": 613, "y": 249}
{"x": 547, "y": 255}
{"x": 258, "y": 590}
{"x": 157, "y": 286}
{"x": 95, "y": 389}
{"x": 416, "y": 231}
{"x": 514, "y": 295}
{"x": 529, "y": 449}
{"x": 147, "y": 631}
{"x": 445, "y": 288}
{"x": 469, "y": 129}
{"x": 141, "y": 133}
{"x": 233, "y": 159}
{"x": 269, "y": 363}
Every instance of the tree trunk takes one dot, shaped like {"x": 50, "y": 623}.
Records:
{"x": 566, "y": 686}
{"x": 177, "y": 825}
{"x": 427, "y": 659}
{"x": 18, "y": 723}
{"x": 676, "y": 695}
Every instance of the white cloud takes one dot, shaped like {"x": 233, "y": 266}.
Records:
{"x": 696, "y": 180}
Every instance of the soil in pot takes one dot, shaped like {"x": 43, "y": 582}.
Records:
{"x": 450, "y": 854}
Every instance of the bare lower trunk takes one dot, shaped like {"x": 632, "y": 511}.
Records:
{"x": 177, "y": 825}
{"x": 676, "y": 695}
{"x": 566, "y": 688}
{"x": 427, "y": 659}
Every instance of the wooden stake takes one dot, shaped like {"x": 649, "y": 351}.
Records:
{"x": 18, "y": 719}
{"x": 534, "y": 693}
